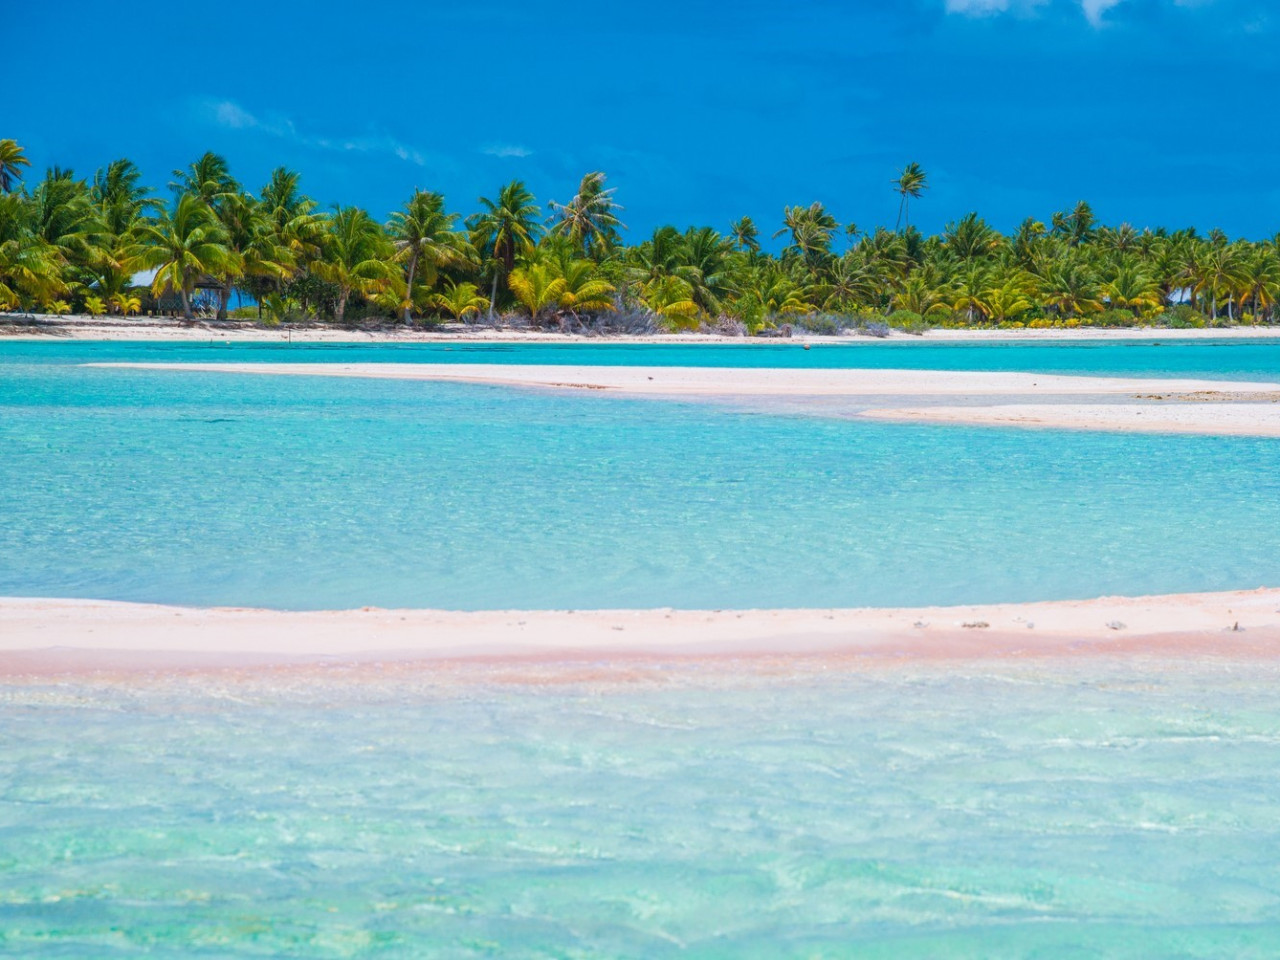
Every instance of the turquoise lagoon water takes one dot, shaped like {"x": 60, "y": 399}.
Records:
{"x": 1236, "y": 359}
{"x": 1026, "y": 813}
{"x": 1086, "y": 809}
{"x": 204, "y": 488}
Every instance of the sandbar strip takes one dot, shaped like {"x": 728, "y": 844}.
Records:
{"x": 736, "y": 381}
{"x": 1163, "y": 405}
{"x": 58, "y": 636}
{"x": 1227, "y": 419}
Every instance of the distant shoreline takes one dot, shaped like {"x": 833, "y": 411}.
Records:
{"x": 52, "y": 329}
{"x": 51, "y": 637}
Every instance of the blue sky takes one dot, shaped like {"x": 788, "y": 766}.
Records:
{"x": 1156, "y": 111}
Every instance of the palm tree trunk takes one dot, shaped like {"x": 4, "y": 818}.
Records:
{"x": 224, "y": 298}
{"x": 408, "y": 292}
{"x": 493, "y": 293}
{"x": 343, "y": 293}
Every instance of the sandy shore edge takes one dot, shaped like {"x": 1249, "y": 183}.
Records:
{"x": 50, "y": 328}
{"x": 50, "y": 636}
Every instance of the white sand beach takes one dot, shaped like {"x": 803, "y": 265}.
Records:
{"x": 76, "y": 327}
{"x": 994, "y": 398}
{"x": 51, "y": 636}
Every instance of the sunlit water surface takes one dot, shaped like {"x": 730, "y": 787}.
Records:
{"x": 317, "y": 492}
{"x": 1052, "y": 811}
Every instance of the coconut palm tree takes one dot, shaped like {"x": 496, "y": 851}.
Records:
{"x": 209, "y": 178}
{"x": 1132, "y": 289}
{"x": 745, "y": 235}
{"x": 590, "y": 219}
{"x": 1219, "y": 273}
{"x": 1261, "y": 274}
{"x": 12, "y": 159}
{"x": 505, "y": 229}
{"x": 184, "y": 243}
{"x": 30, "y": 268}
{"x": 970, "y": 238}
{"x": 584, "y": 291}
{"x": 1070, "y": 288}
{"x": 423, "y": 236}
{"x": 460, "y": 300}
{"x": 1006, "y": 299}
{"x": 910, "y": 184}
{"x": 538, "y": 288}
{"x": 260, "y": 253}
{"x": 356, "y": 256}
{"x": 810, "y": 228}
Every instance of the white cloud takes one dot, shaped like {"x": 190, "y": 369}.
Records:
{"x": 987, "y": 8}
{"x": 506, "y": 150}
{"x": 1094, "y": 10}
{"x": 229, "y": 114}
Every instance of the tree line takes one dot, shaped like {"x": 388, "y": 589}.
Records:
{"x": 74, "y": 244}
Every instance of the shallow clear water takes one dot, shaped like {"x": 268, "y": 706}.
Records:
{"x": 1237, "y": 359}
{"x": 1059, "y": 809}
{"x": 1037, "y": 812}
{"x": 317, "y": 493}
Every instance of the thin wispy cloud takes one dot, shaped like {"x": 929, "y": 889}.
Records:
{"x": 506, "y": 150}
{"x": 232, "y": 116}
{"x": 1093, "y": 10}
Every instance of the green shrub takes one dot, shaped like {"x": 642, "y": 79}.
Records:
{"x": 1114, "y": 318}
{"x": 908, "y": 321}
{"x": 1183, "y": 316}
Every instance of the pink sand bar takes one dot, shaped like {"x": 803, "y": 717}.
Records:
{"x": 51, "y": 636}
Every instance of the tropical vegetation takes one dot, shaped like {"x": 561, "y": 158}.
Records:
{"x": 108, "y": 245}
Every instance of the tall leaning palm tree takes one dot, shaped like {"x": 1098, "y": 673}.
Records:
{"x": 12, "y": 159}
{"x": 909, "y": 184}
{"x": 184, "y": 243}
{"x": 424, "y": 238}
{"x": 504, "y": 229}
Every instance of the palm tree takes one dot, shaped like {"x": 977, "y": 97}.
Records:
{"x": 1261, "y": 274}
{"x": 970, "y": 238}
{"x": 260, "y": 254}
{"x": 1070, "y": 288}
{"x": 505, "y": 229}
{"x": 183, "y": 244}
{"x": 30, "y": 268}
{"x": 460, "y": 300}
{"x": 922, "y": 293}
{"x": 910, "y": 184}
{"x": 745, "y": 235}
{"x": 1132, "y": 289}
{"x": 1006, "y": 299}
{"x": 538, "y": 287}
{"x": 423, "y": 235}
{"x": 12, "y": 159}
{"x": 119, "y": 203}
{"x": 1219, "y": 272}
{"x": 209, "y": 178}
{"x": 811, "y": 229}
{"x": 590, "y": 219}
{"x": 584, "y": 291}
{"x": 356, "y": 256}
